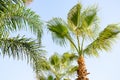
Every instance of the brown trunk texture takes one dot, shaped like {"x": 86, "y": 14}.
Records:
{"x": 82, "y": 71}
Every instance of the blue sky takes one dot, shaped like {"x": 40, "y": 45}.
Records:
{"x": 105, "y": 67}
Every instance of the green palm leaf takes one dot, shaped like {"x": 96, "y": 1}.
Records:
{"x": 16, "y": 17}
{"x": 74, "y": 15}
{"x": 90, "y": 15}
{"x": 59, "y": 30}
{"x": 20, "y": 48}
{"x": 90, "y": 21}
{"x": 104, "y": 41}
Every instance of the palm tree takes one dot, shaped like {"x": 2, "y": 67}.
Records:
{"x": 81, "y": 26}
{"x": 56, "y": 67}
{"x": 14, "y": 16}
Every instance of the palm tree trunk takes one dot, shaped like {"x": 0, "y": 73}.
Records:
{"x": 82, "y": 71}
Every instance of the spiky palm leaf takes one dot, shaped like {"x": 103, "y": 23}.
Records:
{"x": 59, "y": 30}
{"x": 20, "y": 48}
{"x": 104, "y": 40}
{"x": 16, "y": 17}
{"x": 74, "y": 16}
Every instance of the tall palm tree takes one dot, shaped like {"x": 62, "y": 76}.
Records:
{"x": 82, "y": 25}
{"x": 57, "y": 67}
{"x": 15, "y": 16}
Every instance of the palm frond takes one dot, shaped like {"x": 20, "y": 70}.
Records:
{"x": 16, "y": 17}
{"x": 59, "y": 30}
{"x": 104, "y": 41}
{"x": 74, "y": 15}
{"x": 90, "y": 15}
{"x": 89, "y": 23}
{"x": 20, "y": 48}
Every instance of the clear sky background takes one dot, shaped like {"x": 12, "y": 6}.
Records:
{"x": 105, "y": 67}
